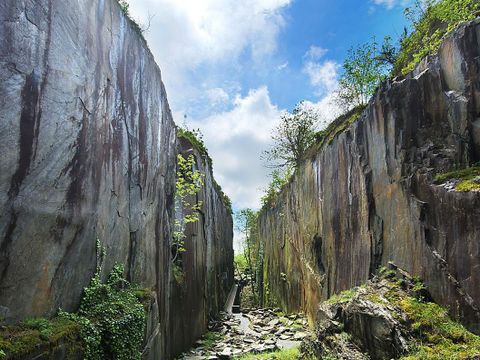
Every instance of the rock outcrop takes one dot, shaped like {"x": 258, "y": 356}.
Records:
{"x": 389, "y": 317}
{"x": 367, "y": 197}
{"x": 89, "y": 150}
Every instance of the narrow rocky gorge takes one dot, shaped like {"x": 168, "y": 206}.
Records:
{"x": 352, "y": 258}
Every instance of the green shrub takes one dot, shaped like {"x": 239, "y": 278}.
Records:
{"x": 111, "y": 317}
{"x": 430, "y": 23}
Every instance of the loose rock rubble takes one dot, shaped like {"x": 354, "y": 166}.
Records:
{"x": 255, "y": 331}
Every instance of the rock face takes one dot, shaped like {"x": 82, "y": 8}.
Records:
{"x": 89, "y": 150}
{"x": 389, "y": 317}
{"x": 367, "y": 198}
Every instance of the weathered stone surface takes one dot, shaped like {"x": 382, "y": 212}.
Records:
{"x": 88, "y": 150}
{"x": 367, "y": 198}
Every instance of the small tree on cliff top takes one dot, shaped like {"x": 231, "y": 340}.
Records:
{"x": 292, "y": 137}
{"x": 362, "y": 72}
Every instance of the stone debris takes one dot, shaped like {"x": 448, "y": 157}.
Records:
{"x": 255, "y": 331}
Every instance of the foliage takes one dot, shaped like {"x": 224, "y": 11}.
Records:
{"x": 439, "y": 336}
{"x": 342, "y": 297}
{"x": 224, "y": 197}
{"x": 240, "y": 262}
{"x": 125, "y": 7}
{"x": 362, "y": 72}
{"x": 431, "y": 20}
{"x": 338, "y": 126}
{"x": 469, "y": 178}
{"x": 278, "y": 181}
{"x": 188, "y": 185}
{"x": 195, "y": 137}
{"x": 112, "y": 318}
{"x": 289, "y": 354}
{"x": 246, "y": 223}
{"x": 292, "y": 137}
{"x": 19, "y": 341}
{"x": 210, "y": 339}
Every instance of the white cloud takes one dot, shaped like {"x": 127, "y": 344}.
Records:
{"x": 323, "y": 75}
{"x": 315, "y": 53}
{"x": 282, "y": 66}
{"x": 235, "y": 139}
{"x": 188, "y": 34}
{"x": 389, "y": 4}
{"x": 217, "y": 96}
{"x": 326, "y": 108}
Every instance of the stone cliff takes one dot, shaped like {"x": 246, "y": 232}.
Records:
{"x": 89, "y": 150}
{"x": 367, "y": 196}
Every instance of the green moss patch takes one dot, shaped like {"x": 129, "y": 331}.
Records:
{"x": 290, "y": 354}
{"x": 337, "y": 126}
{"x": 342, "y": 297}
{"x": 38, "y": 334}
{"x": 430, "y": 26}
{"x": 468, "y": 179}
{"x": 437, "y": 336}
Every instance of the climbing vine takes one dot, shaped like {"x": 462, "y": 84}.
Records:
{"x": 189, "y": 183}
{"x": 111, "y": 317}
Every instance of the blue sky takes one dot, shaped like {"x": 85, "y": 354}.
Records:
{"x": 233, "y": 66}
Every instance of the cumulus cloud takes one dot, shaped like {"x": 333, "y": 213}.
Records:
{"x": 315, "y": 53}
{"x": 389, "y": 4}
{"x": 217, "y": 96}
{"x": 235, "y": 140}
{"x": 323, "y": 75}
{"x": 186, "y": 35}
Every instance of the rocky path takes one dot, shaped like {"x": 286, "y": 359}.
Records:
{"x": 256, "y": 331}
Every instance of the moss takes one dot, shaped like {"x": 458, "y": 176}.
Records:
{"x": 194, "y": 138}
{"x": 336, "y": 127}
{"x": 431, "y": 25}
{"x": 376, "y": 298}
{"x": 196, "y": 142}
{"x": 290, "y": 354}
{"x": 469, "y": 178}
{"x": 342, "y": 297}
{"x": 224, "y": 197}
{"x": 144, "y": 295}
{"x": 438, "y": 337}
{"x": 210, "y": 339}
{"x": 34, "y": 334}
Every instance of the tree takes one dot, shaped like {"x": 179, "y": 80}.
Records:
{"x": 246, "y": 223}
{"x": 362, "y": 72}
{"x": 292, "y": 137}
{"x": 278, "y": 180}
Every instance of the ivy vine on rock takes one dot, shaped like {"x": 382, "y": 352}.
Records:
{"x": 111, "y": 316}
{"x": 189, "y": 183}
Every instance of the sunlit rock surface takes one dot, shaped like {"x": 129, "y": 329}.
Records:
{"x": 368, "y": 197}
{"x": 88, "y": 150}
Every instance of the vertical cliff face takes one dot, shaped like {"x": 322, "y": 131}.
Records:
{"x": 89, "y": 150}
{"x": 200, "y": 291}
{"x": 367, "y": 198}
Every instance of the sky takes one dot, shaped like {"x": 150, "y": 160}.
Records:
{"x": 231, "y": 67}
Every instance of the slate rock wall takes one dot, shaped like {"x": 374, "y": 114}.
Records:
{"x": 368, "y": 198}
{"x": 89, "y": 150}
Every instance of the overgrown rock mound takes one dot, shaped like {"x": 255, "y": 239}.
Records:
{"x": 390, "y": 317}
